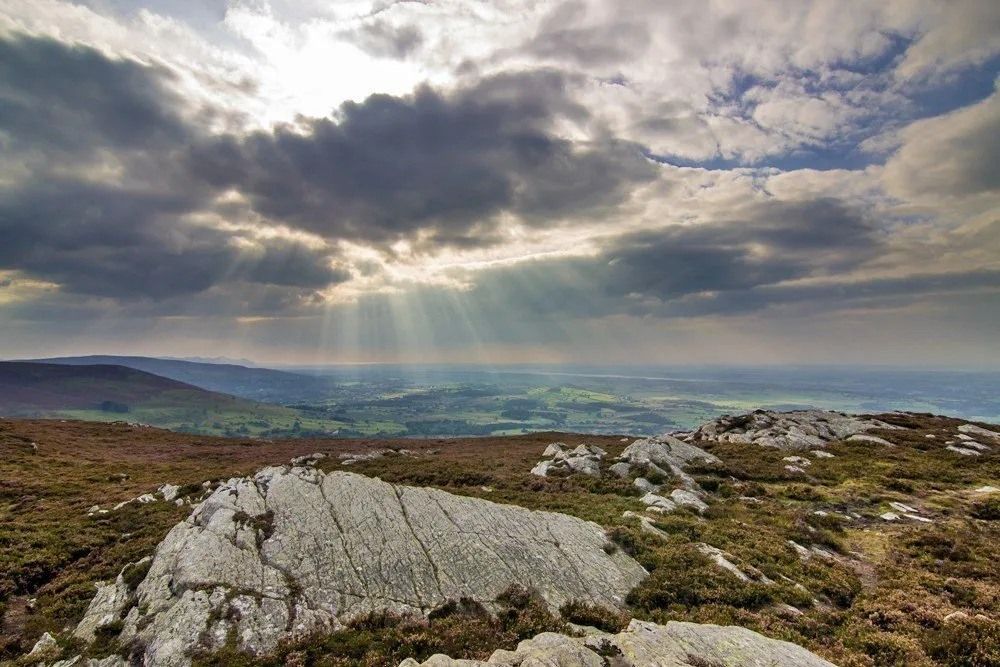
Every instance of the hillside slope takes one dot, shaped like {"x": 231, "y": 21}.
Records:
{"x": 33, "y": 388}
{"x": 103, "y": 392}
{"x": 259, "y": 384}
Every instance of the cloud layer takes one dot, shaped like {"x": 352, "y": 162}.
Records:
{"x": 497, "y": 175}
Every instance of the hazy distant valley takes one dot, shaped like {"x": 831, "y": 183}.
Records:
{"x": 424, "y": 401}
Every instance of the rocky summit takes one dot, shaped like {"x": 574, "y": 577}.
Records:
{"x": 644, "y": 644}
{"x": 796, "y": 430}
{"x": 293, "y": 550}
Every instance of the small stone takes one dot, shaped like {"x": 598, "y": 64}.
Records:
{"x": 987, "y": 489}
{"x": 795, "y": 469}
{"x": 917, "y": 517}
{"x": 962, "y": 450}
{"x": 889, "y": 516}
{"x": 820, "y": 454}
{"x": 169, "y": 491}
{"x": 956, "y": 616}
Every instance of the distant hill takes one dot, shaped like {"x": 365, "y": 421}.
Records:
{"x": 31, "y": 388}
{"x": 259, "y": 384}
{"x": 110, "y": 392}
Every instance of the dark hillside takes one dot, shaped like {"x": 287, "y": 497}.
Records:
{"x": 31, "y": 388}
{"x": 260, "y": 384}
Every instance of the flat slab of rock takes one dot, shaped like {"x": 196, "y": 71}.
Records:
{"x": 645, "y": 644}
{"x": 292, "y": 550}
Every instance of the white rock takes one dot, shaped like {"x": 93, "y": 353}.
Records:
{"x": 889, "y": 516}
{"x": 795, "y": 430}
{"x": 646, "y": 644}
{"x": 906, "y": 509}
{"x": 107, "y": 606}
{"x": 620, "y": 469}
{"x": 861, "y": 437}
{"x": 665, "y": 451}
{"x": 584, "y": 465}
{"x": 976, "y": 445}
{"x": 800, "y": 551}
{"x": 553, "y": 449}
{"x": 987, "y": 489}
{"x": 654, "y": 501}
{"x": 44, "y": 649}
{"x": 236, "y": 564}
{"x": 688, "y": 499}
{"x": 978, "y": 431}
{"x": 820, "y": 454}
{"x": 644, "y": 485}
{"x": 169, "y": 491}
{"x": 962, "y": 450}
{"x": 917, "y": 517}
{"x": 798, "y": 460}
{"x": 795, "y": 469}
{"x": 721, "y": 560}
{"x": 542, "y": 468}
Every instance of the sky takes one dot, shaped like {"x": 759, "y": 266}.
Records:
{"x": 497, "y": 181}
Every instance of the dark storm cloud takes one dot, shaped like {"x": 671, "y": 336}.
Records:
{"x": 106, "y": 241}
{"x": 60, "y": 98}
{"x": 130, "y": 237}
{"x": 684, "y": 268}
{"x": 389, "y": 167}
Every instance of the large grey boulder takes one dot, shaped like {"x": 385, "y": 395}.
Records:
{"x": 294, "y": 550}
{"x": 645, "y": 644}
{"x": 794, "y": 430}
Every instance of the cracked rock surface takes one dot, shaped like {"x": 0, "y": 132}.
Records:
{"x": 644, "y": 644}
{"x": 292, "y": 550}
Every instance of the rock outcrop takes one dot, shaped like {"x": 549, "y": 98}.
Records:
{"x": 644, "y": 644}
{"x": 584, "y": 459}
{"x": 293, "y": 550}
{"x": 796, "y": 430}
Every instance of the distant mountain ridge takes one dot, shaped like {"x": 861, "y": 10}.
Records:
{"x": 34, "y": 388}
{"x": 259, "y": 384}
